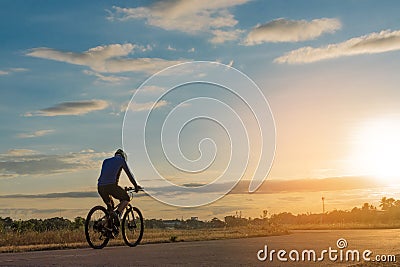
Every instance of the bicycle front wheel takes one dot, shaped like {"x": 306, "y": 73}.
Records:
{"x": 95, "y": 231}
{"x": 132, "y": 226}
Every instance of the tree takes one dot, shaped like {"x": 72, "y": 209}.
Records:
{"x": 217, "y": 223}
{"x": 366, "y": 207}
{"x": 79, "y": 222}
{"x": 387, "y": 203}
{"x": 265, "y": 214}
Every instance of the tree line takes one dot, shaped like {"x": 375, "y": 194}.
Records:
{"x": 39, "y": 225}
{"x": 57, "y": 223}
{"x": 387, "y": 213}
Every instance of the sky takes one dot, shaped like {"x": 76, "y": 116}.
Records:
{"x": 68, "y": 71}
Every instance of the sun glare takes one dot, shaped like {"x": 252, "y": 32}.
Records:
{"x": 376, "y": 150}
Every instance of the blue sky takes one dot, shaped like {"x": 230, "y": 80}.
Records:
{"x": 69, "y": 68}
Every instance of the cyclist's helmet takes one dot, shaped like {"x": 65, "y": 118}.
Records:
{"x": 121, "y": 153}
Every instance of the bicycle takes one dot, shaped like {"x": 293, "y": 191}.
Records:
{"x": 101, "y": 225}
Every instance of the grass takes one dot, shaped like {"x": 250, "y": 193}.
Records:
{"x": 65, "y": 239}
{"x": 28, "y": 241}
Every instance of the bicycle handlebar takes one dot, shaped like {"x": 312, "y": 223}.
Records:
{"x": 133, "y": 189}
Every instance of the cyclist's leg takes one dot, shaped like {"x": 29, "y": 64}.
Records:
{"x": 105, "y": 193}
{"x": 120, "y": 194}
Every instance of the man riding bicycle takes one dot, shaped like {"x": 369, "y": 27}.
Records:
{"x": 107, "y": 185}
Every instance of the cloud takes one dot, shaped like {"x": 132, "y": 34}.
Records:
{"x": 56, "y": 195}
{"x": 221, "y": 36}
{"x": 79, "y": 194}
{"x": 189, "y": 16}
{"x": 21, "y": 162}
{"x": 106, "y": 59}
{"x": 20, "y": 152}
{"x": 151, "y": 89}
{"x": 273, "y": 186}
{"x": 104, "y": 78}
{"x": 193, "y": 185}
{"x": 283, "y": 30}
{"x": 146, "y": 48}
{"x": 373, "y": 43}
{"x": 170, "y": 48}
{"x": 280, "y": 186}
{"x": 71, "y": 108}
{"x": 35, "y": 134}
{"x": 137, "y": 107}
{"x": 12, "y": 70}
{"x": 308, "y": 185}
{"x": 18, "y": 69}
{"x": 36, "y": 165}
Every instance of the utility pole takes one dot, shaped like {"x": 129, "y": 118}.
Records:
{"x": 323, "y": 210}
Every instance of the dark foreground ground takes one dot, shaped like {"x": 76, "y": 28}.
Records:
{"x": 233, "y": 252}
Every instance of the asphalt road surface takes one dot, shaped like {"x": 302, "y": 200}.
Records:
{"x": 232, "y": 252}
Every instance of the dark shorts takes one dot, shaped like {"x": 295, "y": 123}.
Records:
{"x": 112, "y": 190}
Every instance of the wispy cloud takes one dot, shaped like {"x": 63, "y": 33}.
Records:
{"x": 189, "y": 16}
{"x": 137, "y": 107}
{"x": 104, "y": 78}
{"x": 373, "y": 43}
{"x": 221, "y": 36}
{"x": 283, "y": 30}
{"x": 56, "y": 195}
{"x": 152, "y": 89}
{"x": 35, "y": 134}
{"x": 79, "y": 194}
{"x": 70, "y": 108}
{"x": 308, "y": 185}
{"x": 170, "y": 48}
{"x": 107, "y": 59}
{"x": 273, "y": 186}
{"x": 11, "y": 70}
{"x": 20, "y": 162}
{"x": 20, "y": 152}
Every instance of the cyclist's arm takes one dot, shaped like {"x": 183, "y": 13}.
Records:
{"x": 129, "y": 173}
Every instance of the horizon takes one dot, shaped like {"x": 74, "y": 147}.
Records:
{"x": 325, "y": 86}
{"x": 275, "y": 191}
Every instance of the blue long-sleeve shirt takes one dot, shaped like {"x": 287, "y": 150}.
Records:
{"x": 111, "y": 170}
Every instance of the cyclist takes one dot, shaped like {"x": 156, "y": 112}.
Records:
{"x": 107, "y": 185}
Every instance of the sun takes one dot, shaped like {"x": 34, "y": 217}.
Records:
{"x": 376, "y": 150}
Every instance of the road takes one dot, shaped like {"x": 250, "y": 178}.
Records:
{"x": 233, "y": 252}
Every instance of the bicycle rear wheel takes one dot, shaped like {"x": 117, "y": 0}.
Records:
{"x": 132, "y": 226}
{"x": 95, "y": 232}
